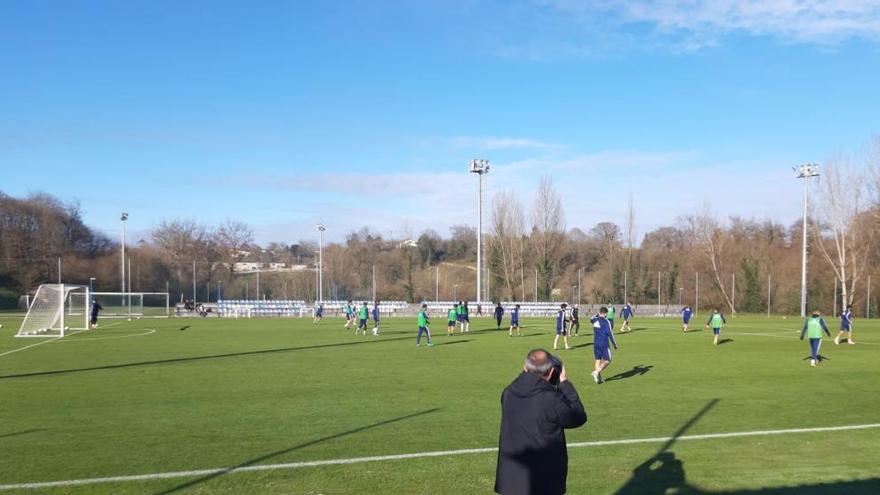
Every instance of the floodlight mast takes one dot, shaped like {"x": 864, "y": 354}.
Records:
{"x": 805, "y": 172}
{"x": 122, "y": 218}
{"x": 321, "y": 229}
{"x": 480, "y": 167}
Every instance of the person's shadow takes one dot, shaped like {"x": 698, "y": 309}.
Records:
{"x": 637, "y": 370}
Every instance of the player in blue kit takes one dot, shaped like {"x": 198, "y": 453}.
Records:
{"x": 627, "y": 313}
{"x": 686, "y": 313}
{"x": 319, "y": 313}
{"x": 716, "y": 321}
{"x": 376, "y": 317}
{"x": 813, "y": 329}
{"x": 514, "y": 322}
{"x": 602, "y": 336}
{"x": 845, "y": 326}
{"x": 561, "y": 327}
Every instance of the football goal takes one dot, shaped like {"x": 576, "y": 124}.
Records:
{"x": 55, "y": 310}
{"x": 132, "y": 304}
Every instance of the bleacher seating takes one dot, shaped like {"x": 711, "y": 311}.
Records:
{"x": 252, "y": 308}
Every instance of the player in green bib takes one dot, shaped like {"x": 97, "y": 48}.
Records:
{"x": 610, "y": 316}
{"x": 423, "y": 326}
{"x": 813, "y": 329}
{"x": 451, "y": 318}
{"x": 362, "y": 319}
{"x": 716, "y": 321}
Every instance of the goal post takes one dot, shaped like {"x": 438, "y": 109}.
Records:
{"x": 56, "y": 310}
{"x": 133, "y": 304}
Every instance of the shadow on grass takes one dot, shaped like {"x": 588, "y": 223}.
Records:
{"x": 450, "y": 342}
{"x": 588, "y": 344}
{"x": 638, "y": 370}
{"x": 183, "y": 328}
{"x": 724, "y": 341}
{"x": 277, "y": 453}
{"x": 197, "y": 358}
{"x": 23, "y": 432}
{"x": 821, "y": 358}
{"x": 665, "y": 473}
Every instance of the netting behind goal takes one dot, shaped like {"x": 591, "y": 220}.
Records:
{"x": 132, "y": 304}
{"x": 55, "y": 310}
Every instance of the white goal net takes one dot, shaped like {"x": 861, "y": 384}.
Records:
{"x": 132, "y": 304}
{"x": 56, "y": 310}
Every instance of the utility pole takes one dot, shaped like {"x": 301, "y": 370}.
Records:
{"x": 805, "y": 172}
{"x": 480, "y": 167}
{"x": 122, "y": 218}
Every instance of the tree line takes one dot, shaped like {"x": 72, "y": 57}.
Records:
{"x": 740, "y": 264}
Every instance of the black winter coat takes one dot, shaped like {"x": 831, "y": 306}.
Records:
{"x": 532, "y": 455}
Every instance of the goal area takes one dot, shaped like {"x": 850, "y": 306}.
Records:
{"x": 56, "y": 310}
{"x": 132, "y": 304}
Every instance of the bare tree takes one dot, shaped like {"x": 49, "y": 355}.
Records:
{"x": 231, "y": 238}
{"x": 508, "y": 229}
{"x": 548, "y": 233}
{"x": 181, "y": 242}
{"x": 837, "y": 219}
{"x": 706, "y": 235}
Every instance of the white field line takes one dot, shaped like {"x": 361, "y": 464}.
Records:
{"x": 149, "y": 331}
{"x": 396, "y": 457}
{"x": 49, "y": 340}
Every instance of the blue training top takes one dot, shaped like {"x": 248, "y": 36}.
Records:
{"x": 602, "y": 333}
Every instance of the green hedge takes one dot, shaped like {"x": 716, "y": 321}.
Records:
{"x": 8, "y": 298}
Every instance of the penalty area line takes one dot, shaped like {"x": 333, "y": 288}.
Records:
{"x": 416, "y": 455}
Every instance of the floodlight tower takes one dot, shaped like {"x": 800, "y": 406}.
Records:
{"x": 805, "y": 172}
{"x": 122, "y": 218}
{"x": 321, "y": 229}
{"x": 480, "y": 167}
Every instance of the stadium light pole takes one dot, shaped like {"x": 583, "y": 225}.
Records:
{"x": 805, "y": 172}
{"x": 122, "y": 218}
{"x": 321, "y": 229}
{"x": 480, "y": 167}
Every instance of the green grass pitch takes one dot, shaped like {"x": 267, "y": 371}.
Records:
{"x": 161, "y": 396}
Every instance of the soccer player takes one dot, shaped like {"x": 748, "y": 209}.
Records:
{"x": 627, "y": 312}
{"x": 602, "y": 335}
{"x": 459, "y": 316}
{"x": 813, "y": 328}
{"x": 362, "y": 318}
{"x": 465, "y": 318}
{"x": 845, "y": 326}
{"x": 319, "y": 313}
{"x": 96, "y": 307}
{"x": 610, "y": 317}
{"x": 349, "y": 315}
{"x": 451, "y": 318}
{"x": 499, "y": 315}
{"x": 424, "y": 320}
{"x": 561, "y": 328}
{"x": 514, "y": 322}
{"x": 376, "y": 317}
{"x": 575, "y": 321}
{"x": 717, "y": 320}
{"x": 686, "y": 313}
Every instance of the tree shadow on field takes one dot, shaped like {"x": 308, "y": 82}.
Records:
{"x": 664, "y": 473}
{"x": 23, "y": 432}
{"x": 257, "y": 460}
{"x": 638, "y": 370}
{"x": 198, "y": 358}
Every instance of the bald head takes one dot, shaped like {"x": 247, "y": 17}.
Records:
{"x": 538, "y": 362}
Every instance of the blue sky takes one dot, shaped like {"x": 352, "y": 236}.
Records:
{"x": 283, "y": 114}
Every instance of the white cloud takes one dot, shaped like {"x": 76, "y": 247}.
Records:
{"x": 496, "y": 143}
{"x": 702, "y": 21}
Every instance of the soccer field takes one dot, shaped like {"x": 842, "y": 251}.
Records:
{"x": 284, "y": 406}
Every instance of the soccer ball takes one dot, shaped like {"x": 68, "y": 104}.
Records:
{"x": 66, "y": 328}
{"x": 1, "y": 325}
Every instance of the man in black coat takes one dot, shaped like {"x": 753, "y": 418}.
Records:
{"x": 532, "y": 454}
